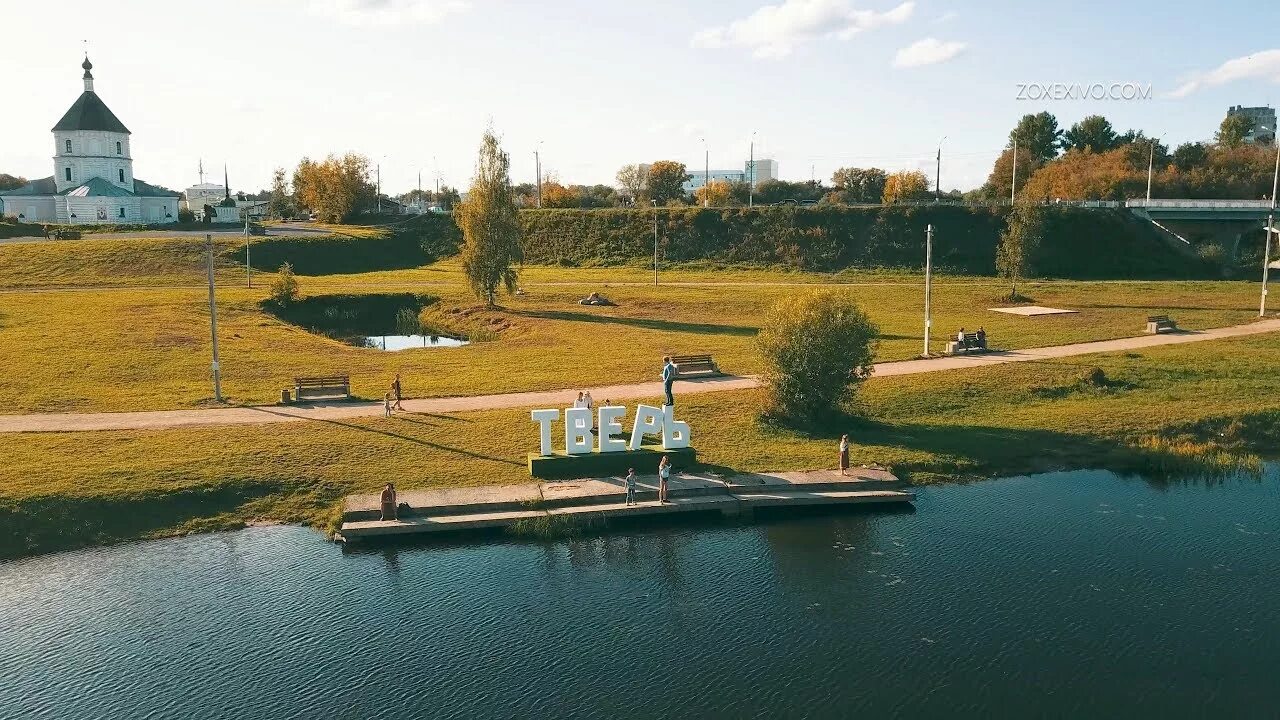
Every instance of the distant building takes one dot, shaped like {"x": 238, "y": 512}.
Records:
{"x": 765, "y": 170}
{"x": 92, "y": 179}
{"x": 1262, "y": 120}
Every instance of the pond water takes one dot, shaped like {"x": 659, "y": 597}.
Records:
{"x": 392, "y": 343}
{"x": 1076, "y": 594}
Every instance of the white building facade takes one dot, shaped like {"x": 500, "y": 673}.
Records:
{"x": 92, "y": 179}
{"x": 765, "y": 169}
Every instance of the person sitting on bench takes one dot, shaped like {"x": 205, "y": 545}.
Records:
{"x": 982, "y": 338}
{"x": 960, "y": 339}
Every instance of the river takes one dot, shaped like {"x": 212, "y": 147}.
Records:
{"x": 1065, "y": 594}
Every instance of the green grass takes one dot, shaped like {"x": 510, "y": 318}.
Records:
{"x": 1171, "y": 410}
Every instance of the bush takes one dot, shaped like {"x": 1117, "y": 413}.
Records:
{"x": 816, "y": 349}
{"x": 284, "y": 289}
{"x": 186, "y": 216}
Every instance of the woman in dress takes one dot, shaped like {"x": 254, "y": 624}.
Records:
{"x": 844, "y": 454}
{"x": 389, "y": 502}
{"x": 664, "y": 474}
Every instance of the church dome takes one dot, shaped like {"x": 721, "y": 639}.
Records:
{"x": 86, "y": 65}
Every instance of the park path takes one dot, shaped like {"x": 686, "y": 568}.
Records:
{"x": 251, "y": 415}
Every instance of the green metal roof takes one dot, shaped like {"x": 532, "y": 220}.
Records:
{"x": 90, "y": 113}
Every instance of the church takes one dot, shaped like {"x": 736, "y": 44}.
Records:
{"x": 92, "y": 178}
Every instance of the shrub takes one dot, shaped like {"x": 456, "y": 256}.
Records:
{"x": 186, "y": 216}
{"x": 284, "y": 289}
{"x": 816, "y": 349}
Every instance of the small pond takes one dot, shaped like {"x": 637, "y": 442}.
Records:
{"x": 392, "y": 343}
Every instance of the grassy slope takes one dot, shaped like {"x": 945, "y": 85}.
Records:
{"x": 62, "y": 490}
{"x": 148, "y": 348}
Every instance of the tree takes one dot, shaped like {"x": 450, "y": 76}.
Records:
{"x": 1233, "y": 130}
{"x": 490, "y": 224}
{"x": 860, "y": 185}
{"x": 1092, "y": 133}
{"x": 284, "y": 289}
{"x": 666, "y": 181}
{"x": 337, "y": 189}
{"x": 632, "y": 180}
{"x": 1190, "y": 155}
{"x": 906, "y": 185}
{"x": 280, "y": 203}
{"x": 999, "y": 183}
{"x": 1018, "y": 243}
{"x": 10, "y": 182}
{"x": 1087, "y": 175}
{"x": 775, "y": 191}
{"x": 817, "y": 348}
{"x": 717, "y": 193}
{"x": 555, "y": 195}
{"x": 1141, "y": 149}
{"x": 1037, "y": 135}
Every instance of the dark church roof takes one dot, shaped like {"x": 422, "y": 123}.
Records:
{"x": 93, "y": 187}
{"x": 90, "y": 113}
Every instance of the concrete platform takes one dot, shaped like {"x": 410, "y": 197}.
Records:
{"x": 459, "y": 509}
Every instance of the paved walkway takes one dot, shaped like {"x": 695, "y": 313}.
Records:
{"x": 160, "y": 419}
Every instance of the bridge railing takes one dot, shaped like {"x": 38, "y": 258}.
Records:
{"x": 1206, "y": 204}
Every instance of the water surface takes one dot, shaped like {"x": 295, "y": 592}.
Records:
{"x": 392, "y": 343}
{"x": 1070, "y": 594}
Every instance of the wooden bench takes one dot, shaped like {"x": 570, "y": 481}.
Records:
{"x": 313, "y": 388}
{"x": 691, "y": 366}
{"x": 971, "y": 343}
{"x": 1157, "y": 324}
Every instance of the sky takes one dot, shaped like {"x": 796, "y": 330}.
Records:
{"x": 591, "y": 86}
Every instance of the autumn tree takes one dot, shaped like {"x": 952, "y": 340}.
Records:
{"x": 1023, "y": 231}
{"x": 860, "y": 185}
{"x": 490, "y": 225}
{"x": 1037, "y": 135}
{"x": 666, "y": 181}
{"x": 1233, "y": 130}
{"x": 336, "y": 189}
{"x": 1086, "y": 175}
{"x": 280, "y": 201}
{"x": 555, "y": 195}
{"x": 1190, "y": 155}
{"x": 632, "y": 180}
{"x": 906, "y": 185}
{"x": 717, "y": 193}
{"x": 1091, "y": 133}
{"x": 10, "y": 182}
{"x": 999, "y": 183}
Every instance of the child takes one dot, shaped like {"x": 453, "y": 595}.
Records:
{"x": 664, "y": 475}
{"x": 631, "y": 486}
{"x": 386, "y": 404}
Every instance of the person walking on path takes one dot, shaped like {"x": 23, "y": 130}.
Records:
{"x": 395, "y": 390}
{"x": 389, "y": 503}
{"x": 386, "y": 405}
{"x": 631, "y": 486}
{"x": 844, "y": 454}
{"x": 668, "y": 378}
{"x": 664, "y": 475}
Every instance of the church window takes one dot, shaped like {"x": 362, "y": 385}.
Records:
{"x": 118, "y": 148}
{"x": 121, "y": 212}
{"x": 68, "y": 145}
{"x": 68, "y": 174}
{"x": 121, "y": 174}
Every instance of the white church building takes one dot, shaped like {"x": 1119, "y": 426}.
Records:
{"x": 92, "y": 178}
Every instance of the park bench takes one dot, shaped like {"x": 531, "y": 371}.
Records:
{"x": 1160, "y": 323}
{"x": 971, "y": 343}
{"x": 314, "y": 388}
{"x": 690, "y": 366}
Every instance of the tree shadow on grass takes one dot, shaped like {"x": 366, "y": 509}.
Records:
{"x": 419, "y": 441}
{"x": 643, "y": 323}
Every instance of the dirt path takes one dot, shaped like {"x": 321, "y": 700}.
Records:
{"x": 163, "y": 419}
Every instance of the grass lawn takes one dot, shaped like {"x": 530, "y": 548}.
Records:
{"x": 65, "y": 490}
{"x": 139, "y": 348}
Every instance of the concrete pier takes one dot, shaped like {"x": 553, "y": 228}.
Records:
{"x": 458, "y": 509}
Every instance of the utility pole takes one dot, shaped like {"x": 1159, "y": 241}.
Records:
{"x": 751, "y": 173}
{"x": 706, "y": 174}
{"x": 1271, "y": 229}
{"x": 248, "y": 263}
{"x": 1151, "y": 162}
{"x": 537, "y": 168}
{"x": 928, "y": 285}
{"x": 379, "y": 190}
{"x": 213, "y": 326}
{"x": 1013, "y": 192}
{"x": 655, "y": 241}
{"x": 937, "y": 174}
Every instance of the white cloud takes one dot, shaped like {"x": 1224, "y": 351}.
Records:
{"x": 928, "y": 51}
{"x": 1265, "y": 64}
{"x": 947, "y": 16}
{"x": 389, "y": 12}
{"x": 774, "y": 31}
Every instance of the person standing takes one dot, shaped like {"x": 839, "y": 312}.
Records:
{"x": 844, "y": 454}
{"x": 631, "y": 486}
{"x": 395, "y": 390}
{"x": 664, "y": 475}
{"x": 389, "y": 504}
{"x": 668, "y": 378}
{"x": 386, "y": 405}
{"x": 581, "y": 401}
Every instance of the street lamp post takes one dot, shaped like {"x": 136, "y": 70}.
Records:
{"x": 1013, "y": 192}
{"x": 928, "y": 285}
{"x": 706, "y": 174}
{"x": 655, "y": 241}
{"x": 1271, "y": 227}
{"x": 1151, "y": 162}
{"x": 751, "y": 172}
{"x": 937, "y": 181}
{"x": 213, "y": 326}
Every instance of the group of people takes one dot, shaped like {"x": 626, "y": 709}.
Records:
{"x": 664, "y": 477}
{"x": 981, "y": 342}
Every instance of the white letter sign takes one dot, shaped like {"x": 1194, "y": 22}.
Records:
{"x": 648, "y": 422}
{"x": 675, "y": 434}
{"x": 577, "y": 431}
{"x": 544, "y": 418}
{"x": 611, "y": 428}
